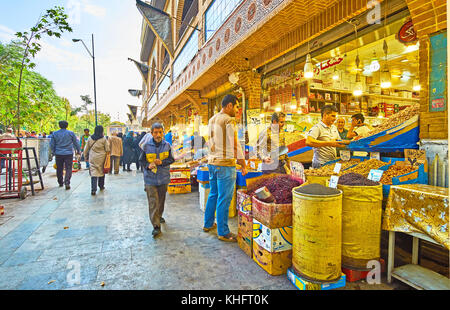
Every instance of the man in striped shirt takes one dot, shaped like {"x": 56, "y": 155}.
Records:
{"x": 224, "y": 152}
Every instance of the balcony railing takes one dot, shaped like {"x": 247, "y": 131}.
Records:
{"x": 190, "y": 15}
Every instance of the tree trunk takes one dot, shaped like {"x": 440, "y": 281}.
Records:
{"x": 20, "y": 83}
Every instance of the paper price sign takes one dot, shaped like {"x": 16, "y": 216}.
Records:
{"x": 337, "y": 167}
{"x": 345, "y": 155}
{"x": 375, "y": 175}
{"x": 333, "y": 181}
{"x": 375, "y": 155}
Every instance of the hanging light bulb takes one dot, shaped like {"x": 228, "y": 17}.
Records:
{"x": 385, "y": 78}
{"x": 416, "y": 85}
{"x": 335, "y": 74}
{"x": 278, "y": 109}
{"x": 308, "y": 69}
{"x": 358, "y": 90}
{"x": 374, "y": 65}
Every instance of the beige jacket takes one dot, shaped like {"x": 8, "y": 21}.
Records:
{"x": 116, "y": 146}
{"x": 95, "y": 153}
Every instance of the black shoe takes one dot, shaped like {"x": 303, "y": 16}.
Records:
{"x": 156, "y": 231}
{"x": 93, "y": 193}
{"x": 102, "y": 188}
{"x": 67, "y": 186}
{"x": 61, "y": 185}
{"x": 162, "y": 220}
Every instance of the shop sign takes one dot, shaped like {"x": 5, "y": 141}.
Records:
{"x": 327, "y": 64}
{"x": 375, "y": 175}
{"x": 415, "y": 157}
{"x": 407, "y": 34}
{"x": 345, "y": 155}
{"x": 375, "y": 155}
{"x": 333, "y": 181}
{"x": 337, "y": 167}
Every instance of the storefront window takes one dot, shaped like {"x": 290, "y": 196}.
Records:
{"x": 164, "y": 85}
{"x": 376, "y": 74}
{"x": 152, "y": 102}
{"x": 187, "y": 53}
{"x": 216, "y": 14}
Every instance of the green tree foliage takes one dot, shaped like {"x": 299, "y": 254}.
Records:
{"x": 41, "y": 107}
{"x": 52, "y": 23}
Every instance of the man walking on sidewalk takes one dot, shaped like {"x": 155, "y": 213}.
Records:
{"x": 116, "y": 151}
{"x": 83, "y": 142}
{"x": 157, "y": 160}
{"x": 62, "y": 144}
{"x": 224, "y": 151}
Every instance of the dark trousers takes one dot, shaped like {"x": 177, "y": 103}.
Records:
{"x": 99, "y": 180}
{"x": 156, "y": 196}
{"x": 64, "y": 162}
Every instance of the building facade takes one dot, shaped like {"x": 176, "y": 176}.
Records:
{"x": 393, "y": 51}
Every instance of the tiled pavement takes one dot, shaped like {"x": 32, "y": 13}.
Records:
{"x": 45, "y": 238}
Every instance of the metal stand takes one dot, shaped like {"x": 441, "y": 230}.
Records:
{"x": 30, "y": 173}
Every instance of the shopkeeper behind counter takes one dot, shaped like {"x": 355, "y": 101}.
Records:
{"x": 323, "y": 138}
{"x": 357, "y": 128}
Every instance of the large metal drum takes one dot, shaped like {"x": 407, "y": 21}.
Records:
{"x": 317, "y": 232}
{"x": 361, "y": 225}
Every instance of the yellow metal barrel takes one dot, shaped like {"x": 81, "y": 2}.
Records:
{"x": 361, "y": 224}
{"x": 317, "y": 224}
{"x": 317, "y": 179}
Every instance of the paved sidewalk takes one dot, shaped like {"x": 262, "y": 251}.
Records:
{"x": 45, "y": 238}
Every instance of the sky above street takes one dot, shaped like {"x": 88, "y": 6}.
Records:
{"x": 116, "y": 25}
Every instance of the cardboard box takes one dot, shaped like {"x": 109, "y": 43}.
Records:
{"x": 244, "y": 202}
{"x": 305, "y": 285}
{"x": 245, "y": 225}
{"x": 272, "y": 239}
{"x": 182, "y": 188}
{"x": 272, "y": 215}
{"x": 245, "y": 244}
{"x": 274, "y": 263}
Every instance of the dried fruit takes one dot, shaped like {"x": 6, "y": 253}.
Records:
{"x": 395, "y": 171}
{"x": 280, "y": 186}
{"x": 364, "y": 167}
{"x": 328, "y": 170}
{"x": 395, "y": 120}
{"x": 355, "y": 179}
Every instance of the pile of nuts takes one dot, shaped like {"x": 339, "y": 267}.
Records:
{"x": 395, "y": 120}
{"x": 327, "y": 170}
{"x": 365, "y": 167}
{"x": 395, "y": 171}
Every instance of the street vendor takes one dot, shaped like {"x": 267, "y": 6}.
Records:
{"x": 269, "y": 141}
{"x": 324, "y": 138}
{"x": 357, "y": 128}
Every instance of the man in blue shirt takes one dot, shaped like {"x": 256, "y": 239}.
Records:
{"x": 157, "y": 160}
{"x": 62, "y": 144}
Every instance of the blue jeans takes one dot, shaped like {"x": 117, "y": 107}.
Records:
{"x": 221, "y": 182}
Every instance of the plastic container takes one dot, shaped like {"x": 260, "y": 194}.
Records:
{"x": 317, "y": 234}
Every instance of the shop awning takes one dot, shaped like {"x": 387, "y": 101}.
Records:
{"x": 143, "y": 69}
{"x": 159, "y": 22}
{"x": 133, "y": 110}
{"x": 135, "y": 92}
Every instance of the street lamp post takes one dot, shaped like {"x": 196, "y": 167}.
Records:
{"x": 93, "y": 66}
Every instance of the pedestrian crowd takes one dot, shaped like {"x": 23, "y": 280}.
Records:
{"x": 153, "y": 153}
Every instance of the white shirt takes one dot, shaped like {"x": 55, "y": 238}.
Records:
{"x": 363, "y": 130}
{"x": 322, "y": 132}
